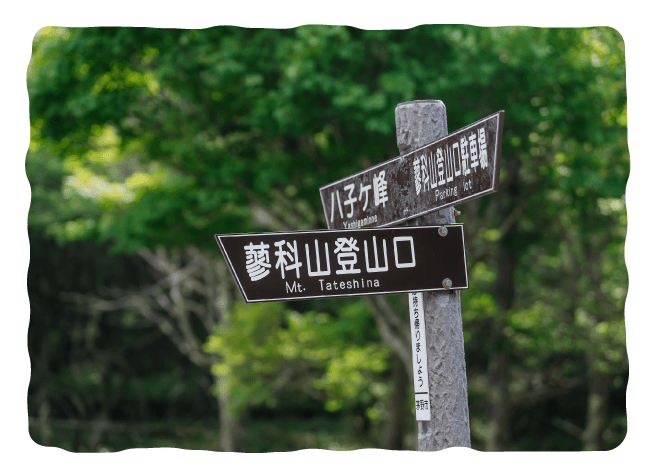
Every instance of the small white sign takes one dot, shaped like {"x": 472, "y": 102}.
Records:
{"x": 420, "y": 371}
{"x": 422, "y": 408}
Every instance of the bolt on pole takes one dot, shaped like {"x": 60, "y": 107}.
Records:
{"x": 418, "y": 123}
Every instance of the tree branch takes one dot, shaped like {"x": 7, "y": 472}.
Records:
{"x": 399, "y": 345}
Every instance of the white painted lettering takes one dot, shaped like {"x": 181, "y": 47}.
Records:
{"x": 318, "y": 272}
{"x": 412, "y": 251}
{"x": 376, "y": 268}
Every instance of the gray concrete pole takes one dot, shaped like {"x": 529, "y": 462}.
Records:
{"x": 418, "y": 123}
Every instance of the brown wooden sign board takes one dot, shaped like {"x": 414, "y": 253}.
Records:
{"x": 459, "y": 167}
{"x": 330, "y": 263}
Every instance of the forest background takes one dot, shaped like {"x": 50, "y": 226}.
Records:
{"x": 234, "y": 143}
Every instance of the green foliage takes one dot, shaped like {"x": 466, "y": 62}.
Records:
{"x": 266, "y": 347}
{"x": 143, "y": 137}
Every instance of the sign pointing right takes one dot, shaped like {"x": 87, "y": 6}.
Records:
{"x": 456, "y": 168}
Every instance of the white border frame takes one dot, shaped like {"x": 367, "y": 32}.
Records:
{"x": 22, "y": 454}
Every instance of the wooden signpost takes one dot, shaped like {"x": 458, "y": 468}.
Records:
{"x": 427, "y": 261}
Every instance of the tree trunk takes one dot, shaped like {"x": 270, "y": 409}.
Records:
{"x": 498, "y": 395}
{"x": 393, "y": 436}
{"x": 232, "y": 437}
{"x": 499, "y": 403}
{"x": 498, "y": 375}
{"x": 597, "y": 410}
{"x": 44, "y": 425}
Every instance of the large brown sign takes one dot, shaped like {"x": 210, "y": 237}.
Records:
{"x": 329, "y": 263}
{"x": 461, "y": 166}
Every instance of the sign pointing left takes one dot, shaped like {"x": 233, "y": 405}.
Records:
{"x": 330, "y": 263}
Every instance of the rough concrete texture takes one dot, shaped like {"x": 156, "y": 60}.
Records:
{"x": 419, "y": 123}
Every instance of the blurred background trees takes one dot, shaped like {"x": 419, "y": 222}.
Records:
{"x": 146, "y": 142}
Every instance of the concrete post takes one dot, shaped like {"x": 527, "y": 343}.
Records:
{"x": 418, "y": 123}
